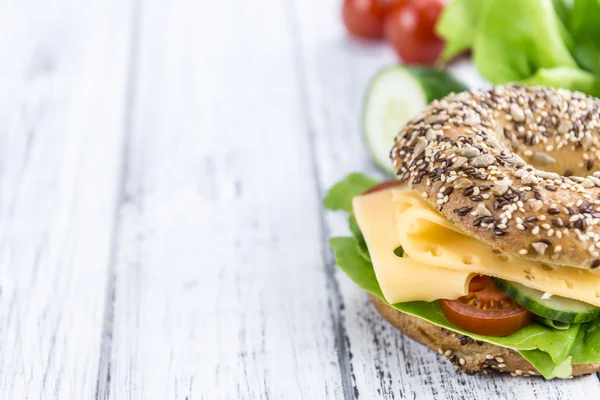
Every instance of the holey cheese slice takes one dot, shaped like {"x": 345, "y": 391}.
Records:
{"x": 401, "y": 279}
{"x": 439, "y": 260}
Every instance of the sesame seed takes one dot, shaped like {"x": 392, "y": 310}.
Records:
{"x": 463, "y": 211}
{"x": 540, "y": 247}
{"x": 424, "y": 154}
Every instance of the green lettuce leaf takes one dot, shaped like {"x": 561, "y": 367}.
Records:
{"x": 534, "y": 42}
{"x": 585, "y": 29}
{"x": 548, "y": 368}
{"x": 458, "y": 25}
{"x": 510, "y": 39}
{"x": 552, "y": 324}
{"x": 339, "y": 197}
{"x": 551, "y": 351}
{"x": 518, "y": 37}
{"x": 587, "y": 345}
{"x": 566, "y": 78}
{"x": 356, "y": 267}
{"x": 359, "y": 239}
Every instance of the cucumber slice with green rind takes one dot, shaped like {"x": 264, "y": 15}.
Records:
{"x": 437, "y": 83}
{"x": 396, "y": 95}
{"x": 555, "y": 308}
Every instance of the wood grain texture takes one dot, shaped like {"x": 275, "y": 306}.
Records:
{"x": 384, "y": 364}
{"x": 220, "y": 287}
{"x": 162, "y": 165}
{"x": 62, "y": 80}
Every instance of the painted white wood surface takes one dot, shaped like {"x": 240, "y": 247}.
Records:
{"x": 62, "y": 91}
{"x": 162, "y": 164}
{"x": 220, "y": 285}
{"x": 384, "y": 364}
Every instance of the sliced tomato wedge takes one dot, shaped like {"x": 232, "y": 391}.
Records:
{"x": 383, "y": 186}
{"x": 486, "y": 310}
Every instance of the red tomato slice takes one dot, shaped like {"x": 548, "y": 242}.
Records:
{"x": 382, "y": 186}
{"x": 410, "y": 28}
{"x": 486, "y": 310}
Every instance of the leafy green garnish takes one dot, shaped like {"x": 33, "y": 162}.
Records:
{"x": 548, "y": 368}
{"x": 553, "y": 324}
{"x": 587, "y": 346}
{"x": 518, "y": 37}
{"x": 585, "y": 28}
{"x": 339, "y": 197}
{"x": 459, "y": 24}
{"x": 355, "y": 266}
{"x": 550, "y": 350}
{"x": 534, "y": 42}
{"x": 359, "y": 239}
{"x": 564, "y": 77}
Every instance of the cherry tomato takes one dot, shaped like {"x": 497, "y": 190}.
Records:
{"x": 410, "y": 28}
{"x": 486, "y": 310}
{"x": 382, "y": 186}
{"x": 363, "y": 18}
{"x": 387, "y": 6}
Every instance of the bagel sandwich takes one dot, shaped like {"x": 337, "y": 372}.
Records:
{"x": 486, "y": 248}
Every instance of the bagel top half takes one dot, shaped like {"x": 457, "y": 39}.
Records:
{"x": 513, "y": 167}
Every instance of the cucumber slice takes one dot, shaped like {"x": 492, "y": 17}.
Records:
{"x": 555, "y": 308}
{"x": 395, "y": 95}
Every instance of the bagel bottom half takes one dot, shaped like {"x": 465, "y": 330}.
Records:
{"x": 467, "y": 355}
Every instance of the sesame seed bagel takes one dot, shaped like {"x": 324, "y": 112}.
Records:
{"x": 466, "y": 354}
{"x": 513, "y": 167}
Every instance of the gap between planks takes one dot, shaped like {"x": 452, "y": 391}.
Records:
{"x": 104, "y": 363}
{"x": 336, "y": 303}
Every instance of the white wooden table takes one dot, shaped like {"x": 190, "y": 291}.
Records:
{"x": 162, "y": 164}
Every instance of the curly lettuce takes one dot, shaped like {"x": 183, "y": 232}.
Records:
{"x": 534, "y": 42}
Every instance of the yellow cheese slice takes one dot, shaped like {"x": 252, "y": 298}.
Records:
{"x": 433, "y": 241}
{"x": 401, "y": 279}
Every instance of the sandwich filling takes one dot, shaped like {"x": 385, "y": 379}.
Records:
{"x": 407, "y": 254}
{"x": 439, "y": 260}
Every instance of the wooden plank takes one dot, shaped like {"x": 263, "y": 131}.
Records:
{"x": 62, "y": 91}
{"x": 384, "y": 364}
{"x": 220, "y": 286}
